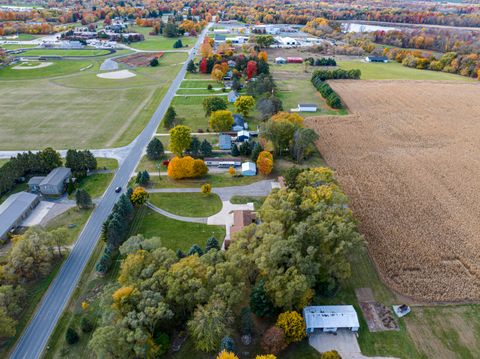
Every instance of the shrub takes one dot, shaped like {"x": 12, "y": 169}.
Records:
{"x": 71, "y": 336}
{"x": 332, "y": 354}
{"x": 86, "y": 325}
{"x": 273, "y": 340}
{"x": 209, "y": 87}
{"x": 227, "y": 344}
{"x": 226, "y": 355}
{"x": 139, "y": 196}
{"x": 293, "y": 326}
{"x": 154, "y": 62}
{"x": 206, "y": 188}
{"x": 265, "y": 163}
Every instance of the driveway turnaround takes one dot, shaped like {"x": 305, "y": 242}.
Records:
{"x": 34, "y": 338}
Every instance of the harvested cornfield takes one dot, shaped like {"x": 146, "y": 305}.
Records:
{"x": 409, "y": 158}
{"x": 139, "y": 59}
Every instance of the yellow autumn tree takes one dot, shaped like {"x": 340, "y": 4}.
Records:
{"x": 120, "y": 295}
{"x": 206, "y": 188}
{"x": 292, "y": 117}
{"x": 186, "y": 167}
{"x": 231, "y": 171}
{"x": 226, "y": 355}
{"x": 263, "y": 56}
{"x": 139, "y": 196}
{"x": 293, "y": 326}
{"x": 265, "y": 163}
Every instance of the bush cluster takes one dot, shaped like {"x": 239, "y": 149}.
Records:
{"x": 333, "y": 100}
{"x": 337, "y": 74}
{"x": 324, "y": 61}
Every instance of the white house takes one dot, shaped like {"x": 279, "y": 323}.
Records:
{"x": 329, "y": 318}
{"x": 243, "y": 136}
{"x": 307, "y": 107}
{"x": 249, "y": 169}
{"x": 286, "y": 41}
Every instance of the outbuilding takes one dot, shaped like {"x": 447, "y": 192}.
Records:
{"x": 249, "y": 169}
{"x": 224, "y": 142}
{"x": 243, "y": 136}
{"x": 294, "y": 60}
{"x": 280, "y": 60}
{"x": 222, "y": 162}
{"x": 54, "y": 183}
{"x": 330, "y": 318}
{"x": 307, "y": 107}
{"x": 14, "y": 210}
{"x": 232, "y": 96}
{"x": 383, "y": 59}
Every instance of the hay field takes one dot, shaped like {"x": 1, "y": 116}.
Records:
{"x": 65, "y": 109}
{"x": 408, "y": 157}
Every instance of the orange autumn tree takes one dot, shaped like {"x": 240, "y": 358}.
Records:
{"x": 265, "y": 163}
{"x": 186, "y": 167}
{"x": 263, "y": 56}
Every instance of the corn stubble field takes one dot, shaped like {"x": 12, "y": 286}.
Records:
{"x": 408, "y": 157}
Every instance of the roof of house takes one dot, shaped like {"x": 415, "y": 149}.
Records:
{"x": 13, "y": 207}
{"x": 243, "y": 133}
{"x": 35, "y": 181}
{"x": 307, "y": 105}
{"x": 378, "y": 58}
{"x": 249, "y": 166}
{"x": 225, "y": 140}
{"x": 220, "y": 37}
{"x": 238, "y": 120}
{"x": 241, "y": 219}
{"x": 221, "y": 159}
{"x": 331, "y": 316}
{"x": 56, "y": 176}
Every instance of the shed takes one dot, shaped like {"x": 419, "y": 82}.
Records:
{"x": 232, "y": 96}
{"x": 54, "y": 183}
{"x": 280, "y": 60}
{"x": 14, "y": 210}
{"x": 294, "y": 60}
{"x": 249, "y": 169}
{"x": 329, "y": 318}
{"x": 224, "y": 142}
{"x": 243, "y": 136}
{"x": 223, "y": 162}
{"x": 307, "y": 107}
{"x": 376, "y": 59}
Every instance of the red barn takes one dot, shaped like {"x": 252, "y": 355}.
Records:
{"x": 294, "y": 60}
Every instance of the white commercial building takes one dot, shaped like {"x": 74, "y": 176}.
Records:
{"x": 329, "y": 318}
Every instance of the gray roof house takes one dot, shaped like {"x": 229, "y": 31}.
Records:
{"x": 34, "y": 183}
{"x": 224, "y": 142}
{"x": 232, "y": 96}
{"x": 54, "y": 183}
{"x": 14, "y": 210}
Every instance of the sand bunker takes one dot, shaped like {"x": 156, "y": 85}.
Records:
{"x": 28, "y": 66}
{"x": 117, "y": 75}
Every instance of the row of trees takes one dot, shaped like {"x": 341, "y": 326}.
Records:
{"x": 31, "y": 257}
{"x": 27, "y": 164}
{"x": 337, "y": 74}
{"x": 331, "y": 97}
{"x": 323, "y": 61}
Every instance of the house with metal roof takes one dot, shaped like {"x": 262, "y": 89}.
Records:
{"x": 243, "y": 136}
{"x": 249, "y": 169}
{"x": 330, "y": 318}
{"x": 54, "y": 183}
{"x": 34, "y": 183}
{"x": 232, "y": 96}
{"x": 307, "y": 107}
{"x": 14, "y": 210}
{"x": 224, "y": 142}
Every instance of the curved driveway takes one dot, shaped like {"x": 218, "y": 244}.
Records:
{"x": 35, "y": 336}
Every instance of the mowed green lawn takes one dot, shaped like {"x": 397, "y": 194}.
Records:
{"x": 61, "y": 52}
{"x": 187, "y": 204}
{"x": 159, "y": 42}
{"x": 174, "y": 234}
{"x": 63, "y": 107}
{"x": 396, "y": 71}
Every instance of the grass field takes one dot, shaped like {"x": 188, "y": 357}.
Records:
{"x": 60, "y": 52}
{"x": 94, "y": 184}
{"x": 294, "y": 87}
{"x": 17, "y": 46}
{"x": 63, "y": 107}
{"x": 256, "y": 200}
{"x": 187, "y": 204}
{"x": 158, "y": 42}
{"x": 106, "y": 163}
{"x": 396, "y": 71}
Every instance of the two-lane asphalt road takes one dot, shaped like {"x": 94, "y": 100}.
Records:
{"x": 34, "y": 338}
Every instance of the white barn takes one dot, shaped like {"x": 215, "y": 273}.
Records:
{"x": 249, "y": 169}
{"x": 307, "y": 107}
{"x": 329, "y": 318}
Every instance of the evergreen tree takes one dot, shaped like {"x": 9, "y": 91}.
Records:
{"x": 235, "y": 152}
{"x": 180, "y": 254}
{"x": 257, "y": 148}
{"x": 71, "y": 336}
{"x": 83, "y": 199}
{"x": 169, "y": 118}
{"x": 245, "y": 148}
{"x": 195, "y": 249}
{"x": 194, "y": 149}
{"x": 211, "y": 244}
{"x": 191, "y": 67}
{"x": 155, "y": 149}
{"x": 206, "y": 148}
{"x": 145, "y": 178}
{"x": 227, "y": 344}
{"x": 70, "y": 186}
{"x": 260, "y": 303}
